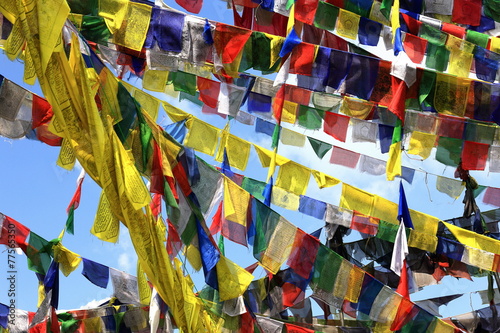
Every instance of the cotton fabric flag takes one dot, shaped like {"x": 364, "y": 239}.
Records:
{"x": 474, "y": 155}
{"x": 96, "y": 273}
{"x": 312, "y": 207}
{"x": 291, "y": 138}
{"x": 323, "y": 180}
{"x": 344, "y": 157}
{"x": 319, "y": 147}
{"x": 303, "y": 254}
{"x": 347, "y": 24}
{"x": 363, "y": 131}
{"x": 451, "y": 94}
{"x": 336, "y": 125}
{"x": 357, "y": 108}
{"x": 238, "y": 151}
{"x": 293, "y": 177}
{"x": 202, "y": 137}
{"x": 467, "y": 12}
{"x": 285, "y": 199}
{"x": 451, "y": 187}
{"x": 421, "y": 144}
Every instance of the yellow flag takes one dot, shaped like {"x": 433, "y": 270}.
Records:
{"x": 421, "y": 144}
{"x": 148, "y": 103}
{"x": 238, "y": 150}
{"x": 285, "y": 199}
{"x": 495, "y": 44}
{"x": 155, "y": 80}
{"x": 348, "y": 24}
{"x": 235, "y": 279}
{"x": 68, "y": 260}
{"x": 474, "y": 240}
{"x": 113, "y": 12}
{"x": 106, "y": 226}
{"x": 129, "y": 180}
{"x": 394, "y": 167}
{"x": 355, "y": 199}
{"x": 279, "y": 247}
{"x": 66, "y": 158}
{"x": 289, "y": 112}
{"x": 132, "y": 33}
{"x": 323, "y": 179}
{"x": 451, "y": 94}
{"x": 356, "y": 277}
{"x": 51, "y": 18}
{"x": 356, "y": 108}
{"x": 293, "y": 177}
{"x": 276, "y": 44}
{"x": 236, "y": 202}
{"x": 423, "y": 240}
{"x": 143, "y": 286}
{"x": 265, "y": 156}
{"x": 202, "y": 137}
{"x": 193, "y": 256}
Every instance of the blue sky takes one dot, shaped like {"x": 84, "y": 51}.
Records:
{"x": 36, "y": 192}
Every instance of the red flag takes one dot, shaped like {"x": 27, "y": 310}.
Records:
{"x": 474, "y": 155}
{"x": 156, "y": 205}
{"x": 415, "y": 47}
{"x": 11, "y": 227}
{"x": 467, "y": 12}
{"x": 229, "y": 41}
{"x": 192, "y": 6}
{"x": 215, "y": 227}
{"x": 278, "y": 102}
{"x": 453, "y": 29}
{"x": 302, "y": 59}
{"x": 174, "y": 242}
{"x": 406, "y": 311}
{"x": 209, "y": 91}
{"x": 41, "y": 111}
{"x": 305, "y": 10}
{"x": 297, "y": 329}
{"x": 397, "y": 104}
{"x": 336, "y": 125}
{"x": 75, "y": 201}
{"x": 304, "y": 250}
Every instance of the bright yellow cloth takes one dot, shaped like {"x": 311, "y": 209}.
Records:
{"x": 323, "y": 179}
{"x": 348, "y": 24}
{"x": 235, "y": 202}
{"x": 293, "y": 177}
{"x": 495, "y": 44}
{"x": 357, "y": 108}
{"x": 132, "y": 32}
{"x": 474, "y": 240}
{"x": 234, "y": 280}
{"x": 155, "y": 80}
{"x": 265, "y": 156}
{"x": 143, "y": 286}
{"x": 421, "y": 144}
{"x": 355, "y": 199}
{"x": 460, "y": 56}
{"x": 238, "y": 151}
{"x": 68, "y": 260}
{"x": 202, "y": 137}
{"x": 422, "y": 240}
{"x": 193, "y": 256}
{"x": 393, "y": 167}
{"x": 106, "y": 226}
{"x": 289, "y": 112}
{"x": 113, "y": 12}
{"x": 355, "y": 282}
{"x": 148, "y": 103}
